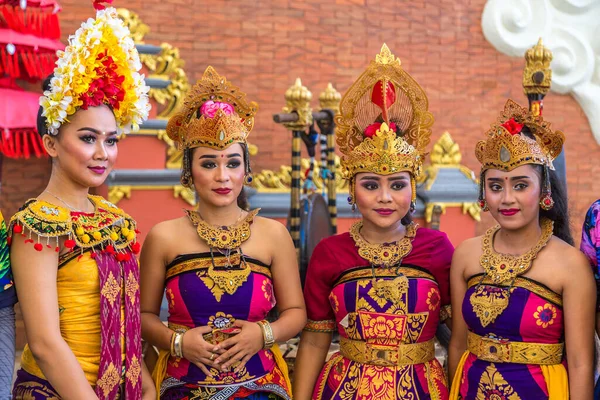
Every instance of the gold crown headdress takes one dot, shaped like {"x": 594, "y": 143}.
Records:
{"x": 215, "y": 114}
{"x": 384, "y": 123}
{"x": 506, "y": 148}
{"x": 99, "y": 66}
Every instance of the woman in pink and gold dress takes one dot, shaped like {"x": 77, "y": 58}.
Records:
{"x": 521, "y": 293}
{"x": 223, "y": 268}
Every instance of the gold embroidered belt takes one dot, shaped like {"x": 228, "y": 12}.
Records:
{"x": 385, "y": 355}
{"x": 500, "y": 351}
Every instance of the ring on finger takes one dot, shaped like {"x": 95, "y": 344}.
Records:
{"x": 212, "y": 356}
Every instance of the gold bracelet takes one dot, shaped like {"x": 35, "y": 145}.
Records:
{"x": 173, "y": 343}
{"x": 178, "y": 345}
{"x": 267, "y": 331}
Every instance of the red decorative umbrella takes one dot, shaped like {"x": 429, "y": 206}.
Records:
{"x": 18, "y": 133}
{"x": 29, "y": 33}
{"x": 28, "y": 38}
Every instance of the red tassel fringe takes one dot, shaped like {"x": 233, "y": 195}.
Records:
{"x": 21, "y": 143}
{"x": 26, "y": 63}
{"x": 41, "y": 22}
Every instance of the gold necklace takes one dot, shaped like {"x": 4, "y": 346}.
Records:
{"x": 387, "y": 255}
{"x": 502, "y": 268}
{"x": 489, "y": 302}
{"x": 223, "y": 237}
{"x": 384, "y": 254}
{"x": 227, "y": 278}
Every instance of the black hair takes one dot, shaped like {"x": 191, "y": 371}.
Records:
{"x": 186, "y": 174}
{"x": 41, "y": 121}
{"x": 560, "y": 212}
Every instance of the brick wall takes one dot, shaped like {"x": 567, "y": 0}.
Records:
{"x": 263, "y": 46}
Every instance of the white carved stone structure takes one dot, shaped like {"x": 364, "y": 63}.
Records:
{"x": 569, "y": 28}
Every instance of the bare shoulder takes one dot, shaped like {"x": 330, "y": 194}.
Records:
{"x": 468, "y": 248}
{"x": 567, "y": 260}
{"x": 168, "y": 231}
{"x": 271, "y": 228}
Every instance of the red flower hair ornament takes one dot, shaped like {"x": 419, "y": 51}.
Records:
{"x": 512, "y": 126}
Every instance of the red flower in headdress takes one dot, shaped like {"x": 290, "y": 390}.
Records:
{"x": 99, "y": 6}
{"x": 107, "y": 88}
{"x": 372, "y": 129}
{"x": 512, "y": 126}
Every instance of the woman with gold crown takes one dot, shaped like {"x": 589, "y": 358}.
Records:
{"x": 383, "y": 284}
{"x": 520, "y": 293}
{"x": 73, "y": 254}
{"x": 223, "y": 268}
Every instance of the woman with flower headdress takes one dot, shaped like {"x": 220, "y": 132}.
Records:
{"x": 523, "y": 321}
{"x": 223, "y": 268}
{"x": 73, "y": 254}
{"x": 382, "y": 286}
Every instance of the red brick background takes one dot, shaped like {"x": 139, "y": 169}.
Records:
{"x": 262, "y": 46}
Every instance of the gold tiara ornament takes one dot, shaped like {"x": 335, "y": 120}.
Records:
{"x": 383, "y": 154}
{"x": 506, "y": 148}
{"x": 214, "y": 114}
{"x": 384, "y": 124}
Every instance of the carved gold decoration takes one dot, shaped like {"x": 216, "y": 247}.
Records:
{"x": 281, "y": 181}
{"x": 446, "y": 154}
{"x": 167, "y": 65}
{"x": 118, "y": 193}
{"x": 446, "y": 151}
{"x": 186, "y": 194}
{"x": 472, "y": 209}
{"x": 132, "y": 21}
{"x": 330, "y": 99}
{"x": 297, "y": 100}
{"x": 537, "y": 75}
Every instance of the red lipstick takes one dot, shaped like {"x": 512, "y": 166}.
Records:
{"x": 384, "y": 211}
{"x": 509, "y": 212}
{"x": 222, "y": 191}
{"x": 98, "y": 170}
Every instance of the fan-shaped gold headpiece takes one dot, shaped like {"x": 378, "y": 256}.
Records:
{"x": 384, "y": 124}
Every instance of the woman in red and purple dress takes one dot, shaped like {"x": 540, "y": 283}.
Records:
{"x": 383, "y": 285}
{"x": 521, "y": 293}
{"x": 223, "y": 268}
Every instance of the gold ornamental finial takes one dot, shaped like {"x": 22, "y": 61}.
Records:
{"x": 446, "y": 151}
{"x": 297, "y": 100}
{"x": 385, "y": 56}
{"x": 132, "y": 21}
{"x": 330, "y": 98}
{"x": 537, "y": 75}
